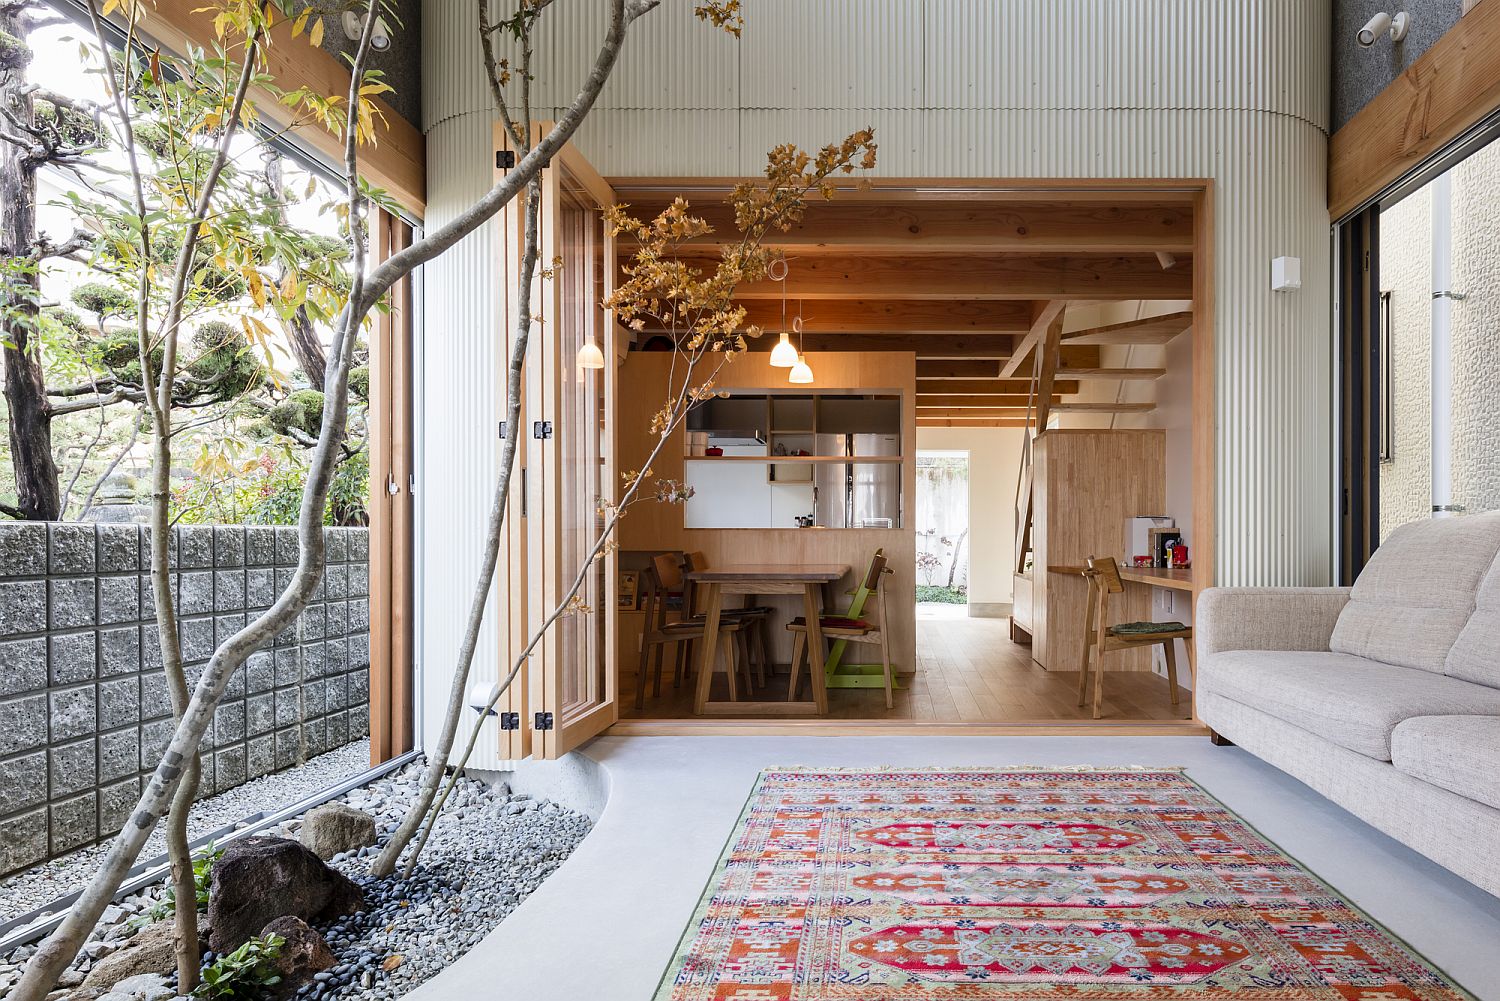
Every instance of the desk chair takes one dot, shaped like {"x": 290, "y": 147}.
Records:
{"x": 1101, "y": 638}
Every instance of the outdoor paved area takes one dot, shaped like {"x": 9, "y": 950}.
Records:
{"x": 604, "y": 926}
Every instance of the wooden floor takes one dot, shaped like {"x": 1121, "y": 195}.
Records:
{"x": 968, "y": 671}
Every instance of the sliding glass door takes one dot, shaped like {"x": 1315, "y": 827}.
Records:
{"x": 1421, "y": 347}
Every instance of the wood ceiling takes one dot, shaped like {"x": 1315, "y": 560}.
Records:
{"x": 972, "y": 279}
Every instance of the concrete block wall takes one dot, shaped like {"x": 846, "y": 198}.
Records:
{"x": 84, "y": 707}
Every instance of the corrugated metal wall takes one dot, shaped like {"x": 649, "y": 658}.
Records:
{"x": 1235, "y": 90}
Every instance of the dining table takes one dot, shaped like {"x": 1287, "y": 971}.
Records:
{"x": 758, "y": 579}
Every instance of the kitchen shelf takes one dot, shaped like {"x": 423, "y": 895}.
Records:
{"x": 842, "y": 459}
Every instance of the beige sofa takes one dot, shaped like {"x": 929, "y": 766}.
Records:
{"x": 1384, "y": 697}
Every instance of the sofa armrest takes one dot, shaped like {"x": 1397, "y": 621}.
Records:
{"x": 1266, "y": 618}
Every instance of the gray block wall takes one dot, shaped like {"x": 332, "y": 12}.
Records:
{"x": 84, "y": 708}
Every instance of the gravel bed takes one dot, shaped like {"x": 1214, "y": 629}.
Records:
{"x": 489, "y": 850}
{"x": 41, "y": 884}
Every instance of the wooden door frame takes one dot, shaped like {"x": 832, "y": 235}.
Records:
{"x": 389, "y": 440}
{"x": 1201, "y": 194}
{"x": 567, "y": 732}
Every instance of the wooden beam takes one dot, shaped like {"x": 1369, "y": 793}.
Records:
{"x": 960, "y": 422}
{"x": 897, "y": 316}
{"x": 968, "y": 401}
{"x": 995, "y": 346}
{"x": 1001, "y": 190}
{"x": 1041, "y": 227}
{"x": 1446, "y": 91}
{"x": 397, "y": 160}
{"x": 1042, "y": 319}
{"x": 1103, "y": 408}
{"x": 937, "y": 369}
{"x": 963, "y": 276}
{"x": 968, "y": 413}
{"x": 1111, "y": 374}
{"x": 1152, "y": 330}
{"x": 987, "y": 387}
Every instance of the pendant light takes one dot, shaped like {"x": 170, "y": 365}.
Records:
{"x": 801, "y": 372}
{"x": 589, "y": 356}
{"x": 783, "y": 355}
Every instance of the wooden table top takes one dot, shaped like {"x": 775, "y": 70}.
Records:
{"x": 1168, "y": 577}
{"x": 805, "y": 573}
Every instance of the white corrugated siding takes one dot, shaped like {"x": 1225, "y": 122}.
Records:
{"x": 1235, "y": 91}
{"x": 461, "y": 366}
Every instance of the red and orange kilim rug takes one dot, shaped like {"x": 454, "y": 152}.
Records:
{"x": 1022, "y": 884}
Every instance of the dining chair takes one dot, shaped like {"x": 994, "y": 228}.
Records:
{"x": 659, "y": 631}
{"x": 755, "y": 637}
{"x": 1101, "y": 638}
{"x": 850, "y": 628}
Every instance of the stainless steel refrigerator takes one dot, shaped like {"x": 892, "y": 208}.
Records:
{"x": 855, "y": 494}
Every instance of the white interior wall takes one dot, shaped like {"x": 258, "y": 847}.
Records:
{"x": 994, "y": 458}
{"x": 1236, "y": 93}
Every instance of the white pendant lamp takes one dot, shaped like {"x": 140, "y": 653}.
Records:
{"x": 802, "y": 372}
{"x": 589, "y": 356}
{"x": 783, "y": 355}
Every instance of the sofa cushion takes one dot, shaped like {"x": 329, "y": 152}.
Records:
{"x": 1415, "y": 595}
{"x": 1352, "y": 701}
{"x": 1476, "y": 653}
{"x": 1457, "y": 753}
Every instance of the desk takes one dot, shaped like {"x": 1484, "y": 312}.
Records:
{"x": 1172, "y": 578}
{"x": 755, "y": 579}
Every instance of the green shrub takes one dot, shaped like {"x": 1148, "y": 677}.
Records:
{"x": 203, "y": 866}
{"x": 359, "y": 382}
{"x": 103, "y": 300}
{"x": 245, "y": 974}
{"x": 942, "y": 595}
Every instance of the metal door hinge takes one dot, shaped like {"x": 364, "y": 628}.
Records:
{"x": 391, "y": 486}
{"x": 502, "y": 430}
{"x": 541, "y": 430}
{"x": 543, "y": 721}
{"x": 510, "y": 721}
{"x": 505, "y": 159}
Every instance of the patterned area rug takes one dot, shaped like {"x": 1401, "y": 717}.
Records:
{"x": 903, "y": 885}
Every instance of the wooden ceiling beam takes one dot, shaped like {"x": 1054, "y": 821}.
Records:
{"x": 1103, "y": 408}
{"x": 970, "y": 413}
{"x": 1041, "y": 227}
{"x": 969, "y": 422}
{"x": 1152, "y": 330}
{"x": 1112, "y": 374}
{"x": 988, "y": 387}
{"x": 969, "y": 401}
{"x": 938, "y": 369}
{"x": 994, "y": 346}
{"x": 963, "y": 276}
{"x": 888, "y": 315}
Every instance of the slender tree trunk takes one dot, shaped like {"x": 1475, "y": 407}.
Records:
{"x": 299, "y": 329}
{"x": 958, "y": 548}
{"x": 37, "y": 493}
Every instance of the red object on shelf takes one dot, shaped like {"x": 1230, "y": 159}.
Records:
{"x": 1180, "y": 556}
{"x": 713, "y": 450}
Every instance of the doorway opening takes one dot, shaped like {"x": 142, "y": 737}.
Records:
{"x": 942, "y": 563}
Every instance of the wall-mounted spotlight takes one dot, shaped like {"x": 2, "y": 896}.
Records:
{"x": 1393, "y": 25}
{"x": 354, "y": 23}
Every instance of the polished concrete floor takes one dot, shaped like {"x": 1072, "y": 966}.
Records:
{"x": 968, "y": 671}
{"x": 605, "y": 925}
